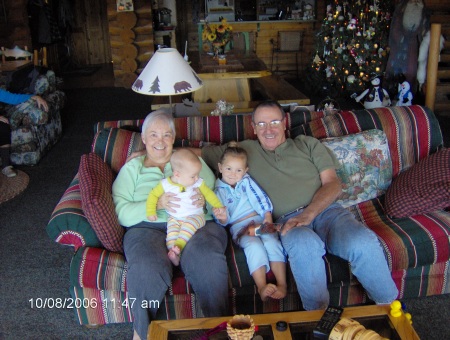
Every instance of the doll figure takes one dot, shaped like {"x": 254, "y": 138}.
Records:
{"x": 404, "y": 95}
{"x": 374, "y": 96}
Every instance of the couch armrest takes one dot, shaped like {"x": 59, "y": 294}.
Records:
{"x": 68, "y": 225}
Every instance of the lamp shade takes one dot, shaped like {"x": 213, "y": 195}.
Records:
{"x": 166, "y": 74}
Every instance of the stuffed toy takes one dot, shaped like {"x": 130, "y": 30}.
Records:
{"x": 374, "y": 96}
{"x": 404, "y": 95}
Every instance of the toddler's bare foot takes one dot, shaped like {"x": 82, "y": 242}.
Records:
{"x": 267, "y": 291}
{"x": 173, "y": 257}
{"x": 279, "y": 293}
{"x": 176, "y": 250}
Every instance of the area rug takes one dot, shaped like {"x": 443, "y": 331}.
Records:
{"x": 12, "y": 186}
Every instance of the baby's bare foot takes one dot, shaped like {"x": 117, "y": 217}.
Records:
{"x": 176, "y": 250}
{"x": 279, "y": 293}
{"x": 173, "y": 257}
{"x": 267, "y": 291}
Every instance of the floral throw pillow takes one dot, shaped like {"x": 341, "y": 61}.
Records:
{"x": 365, "y": 165}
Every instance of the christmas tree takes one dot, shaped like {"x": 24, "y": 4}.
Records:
{"x": 351, "y": 46}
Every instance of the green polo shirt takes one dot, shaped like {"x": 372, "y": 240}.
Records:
{"x": 289, "y": 174}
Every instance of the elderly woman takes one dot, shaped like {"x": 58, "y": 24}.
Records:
{"x": 149, "y": 269}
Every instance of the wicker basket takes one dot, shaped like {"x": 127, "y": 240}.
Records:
{"x": 241, "y": 327}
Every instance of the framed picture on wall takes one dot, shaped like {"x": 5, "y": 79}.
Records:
{"x": 125, "y": 5}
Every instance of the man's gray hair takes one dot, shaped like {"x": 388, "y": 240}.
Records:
{"x": 268, "y": 103}
{"x": 158, "y": 115}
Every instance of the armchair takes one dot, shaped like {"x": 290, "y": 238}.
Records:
{"x": 33, "y": 131}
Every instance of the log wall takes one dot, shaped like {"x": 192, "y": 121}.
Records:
{"x": 131, "y": 40}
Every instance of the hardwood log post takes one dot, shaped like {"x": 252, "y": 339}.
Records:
{"x": 432, "y": 66}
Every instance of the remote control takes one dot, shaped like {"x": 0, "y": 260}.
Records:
{"x": 326, "y": 323}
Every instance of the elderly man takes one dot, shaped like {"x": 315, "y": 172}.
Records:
{"x": 299, "y": 175}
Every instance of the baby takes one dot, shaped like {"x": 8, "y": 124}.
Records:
{"x": 188, "y": 218}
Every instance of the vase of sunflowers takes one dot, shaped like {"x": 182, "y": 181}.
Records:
{"x": 216, "y": 36}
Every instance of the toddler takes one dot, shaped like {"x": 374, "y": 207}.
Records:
{"x": 248, "y": 204}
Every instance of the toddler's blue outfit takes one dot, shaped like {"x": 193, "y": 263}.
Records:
{"x": 247, "y": 202}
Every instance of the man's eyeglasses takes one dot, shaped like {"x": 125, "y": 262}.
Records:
{"x": 272, "y": 124}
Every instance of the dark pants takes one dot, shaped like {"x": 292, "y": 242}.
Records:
{"x": 150, "y": 270}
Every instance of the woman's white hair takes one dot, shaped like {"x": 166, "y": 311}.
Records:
{"x": 158, "y": 115}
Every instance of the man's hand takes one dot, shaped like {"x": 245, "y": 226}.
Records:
{"x": 301, "y": 220}
{"x": 152, "y": 217}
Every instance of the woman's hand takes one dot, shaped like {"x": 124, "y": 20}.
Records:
{"x": 198, "y": 199}
{"x": 40, "y": 102}
{"x": 168, "y": 201}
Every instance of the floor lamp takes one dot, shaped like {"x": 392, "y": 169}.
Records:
{"x": 167, "y": 74}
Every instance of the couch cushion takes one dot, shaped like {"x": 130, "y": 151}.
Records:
{"x": 422, "y": 188}
{"x": 366, "y": 168}
{"x": 96, "y": 179}
{"x": 408, "y": 242}
{"x": 68, "y": 225}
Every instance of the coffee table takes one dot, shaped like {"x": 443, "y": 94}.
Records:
{"x": 301, "y": 325}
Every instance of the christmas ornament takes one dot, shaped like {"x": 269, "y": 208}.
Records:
{"x": 352, "y": 24}
{"x": 351, "y": 79}
{"x": 317, "y": 59}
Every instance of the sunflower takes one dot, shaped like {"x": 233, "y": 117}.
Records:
{"x": 221, "y": 29}
{"x": 215, "y": 36}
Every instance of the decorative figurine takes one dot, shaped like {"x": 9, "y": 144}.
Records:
{"x": 405, "y": 95}
{"x": 374, "y": 96}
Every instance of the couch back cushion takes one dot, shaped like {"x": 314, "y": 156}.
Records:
{"x": 412, "y": 132}
{"x": 115, "y": 145}
{"x": 217, "y": 129}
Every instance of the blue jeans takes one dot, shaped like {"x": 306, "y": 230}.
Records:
{"x": 337, "y": 232}
{"x": 150, "y": 270}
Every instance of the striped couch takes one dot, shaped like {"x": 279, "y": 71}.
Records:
{"x": 417, "y": 248}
